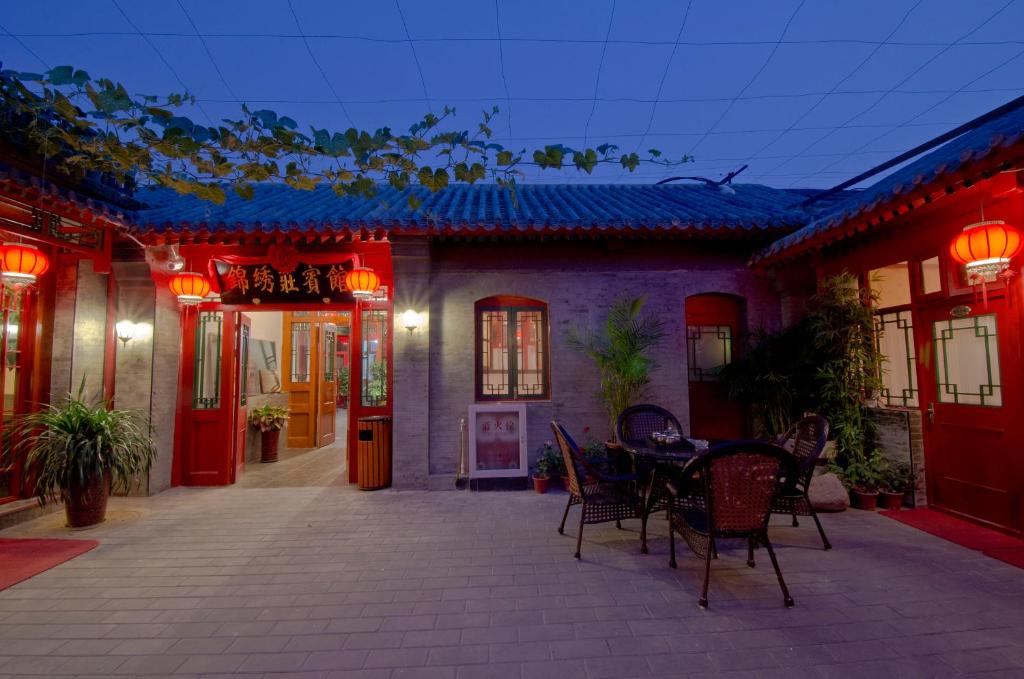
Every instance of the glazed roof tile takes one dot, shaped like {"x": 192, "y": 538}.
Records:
{"x": 482, "y": 208}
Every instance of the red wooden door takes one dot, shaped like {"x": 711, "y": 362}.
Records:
{"x": 327, "y": 397}
{"x": 970, "y": 374}
{"x": 206, "y": 406}
{"x": 241, "y": 398}
{"x": 370, "y": 383}
{"x": 713, "y": 322}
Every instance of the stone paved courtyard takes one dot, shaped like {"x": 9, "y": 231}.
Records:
{"x": 331, "y": 582}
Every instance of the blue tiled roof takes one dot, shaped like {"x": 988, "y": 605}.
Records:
{"x": 970, "y": 147}
{"x": 482, "y": 209}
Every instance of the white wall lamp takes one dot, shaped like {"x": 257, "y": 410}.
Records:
{"x": 127, "y": 331}
{"x": 411, "y": 320}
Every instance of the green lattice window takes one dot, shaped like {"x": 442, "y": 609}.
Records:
{"x": 708, "y": 350}
{"x": 967, "y": 361}
{"x": 894, "y": 338}
{"x": 206, "y": 392}
{"x": 302, "y": 346}
{"x": 243, "y": 359}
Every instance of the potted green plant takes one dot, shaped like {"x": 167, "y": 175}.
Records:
{"x": 620, "y": 351}
{"x": 344, "y": 374}
{"x": 270, "y": 419}
{"x": 863, "y": 476}
{"x": 542, "y": 472}
{"x": 79, "y": 452}
{"x": 895, "y": 485}
{"x": 553, "y": 463}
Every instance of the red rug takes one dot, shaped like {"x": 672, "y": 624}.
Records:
{"x": 21, "y": 558}
{"x": 964, "y": 533}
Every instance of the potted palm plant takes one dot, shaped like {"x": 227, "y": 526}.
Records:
{"x": 78, "y": 452}
{"x": 620, "y": 351}
{"x": 270, "y": 420}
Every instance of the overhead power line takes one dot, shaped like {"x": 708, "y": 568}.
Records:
{"x": 320, "y": 69}
{"x": 209, "y": 54}
{"x": 412, "y": 48}
{"x": 597, "y": 78}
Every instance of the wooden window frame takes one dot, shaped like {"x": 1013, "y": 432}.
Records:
{"x": 512, "y": 306}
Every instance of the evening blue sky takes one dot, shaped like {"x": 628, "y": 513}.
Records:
{"x": 807, "y": 92}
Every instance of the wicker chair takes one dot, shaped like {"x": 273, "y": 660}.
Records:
{"x": 635, "y": 425}
{"x": 728, "y": 493}
{"x": 638, "y": 422}
{"x": 809, "y": 436}
{"x": 606, "y": 498}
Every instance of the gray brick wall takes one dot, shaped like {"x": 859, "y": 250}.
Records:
{"x": 579, "y": 281}
{"x": 899, "y": 437}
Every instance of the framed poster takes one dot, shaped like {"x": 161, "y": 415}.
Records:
{"x": 497, "y": 440}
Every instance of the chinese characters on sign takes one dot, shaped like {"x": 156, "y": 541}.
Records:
{"x": 497, "y": 441}
{"x": 262, "y": 284}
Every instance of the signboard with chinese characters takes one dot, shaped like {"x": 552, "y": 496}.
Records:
{"x": 263, "y": 284}
{"x": 497, "y": 440}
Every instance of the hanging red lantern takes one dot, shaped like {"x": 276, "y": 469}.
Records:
{"x": 190, "y": 287}
{"x": 21, "y": 265}
{"x": 362, "y": 282}
{"x": 986, "y": 248}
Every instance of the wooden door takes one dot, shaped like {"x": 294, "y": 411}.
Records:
{"x": 970, "y": 370}
{"x": 298, "y": 377}
{"x": 327, "y": 389}
{"x": 713, "y": 322}
{"x": 206, "y": 408}
{"x": 241, "y": 399}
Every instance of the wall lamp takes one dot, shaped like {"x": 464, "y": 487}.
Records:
{"x": 127, "y": 330}
{"x": 411, "y": 320}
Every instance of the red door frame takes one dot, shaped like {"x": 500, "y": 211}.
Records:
{"x": 356, "y": 409}
{"x": 218, "y": 472}
{"x": 712, "y": 414}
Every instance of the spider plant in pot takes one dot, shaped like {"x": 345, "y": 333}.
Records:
{"x": 270, "y": 420}
{"x": 79, "y": 452}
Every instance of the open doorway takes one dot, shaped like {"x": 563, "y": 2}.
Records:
{"x": 300, "y": 360}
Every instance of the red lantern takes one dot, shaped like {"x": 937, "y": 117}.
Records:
{"x": 190, "y": 287}
{"x": 362, "y": 282}
{"x": 21, "y": 265}
{"x": 986, "y": 248}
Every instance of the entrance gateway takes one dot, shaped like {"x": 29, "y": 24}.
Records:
{"x": 306, "y": 287}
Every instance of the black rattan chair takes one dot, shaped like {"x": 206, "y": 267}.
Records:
{"x": 728, "y": 493}
{"x": 808, "y": 436}
{"x": 602, "y": 497}
{"x": 638, "y": 422}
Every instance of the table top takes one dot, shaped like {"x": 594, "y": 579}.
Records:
{"x": 682, "y": 451}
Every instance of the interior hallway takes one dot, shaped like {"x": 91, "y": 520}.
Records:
{"x": 303, "y": 467}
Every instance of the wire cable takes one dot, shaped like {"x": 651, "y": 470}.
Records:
{"x": 24, "y": 46}
{"x": 415, "y": 58}
{"x": 209, "y": 54}
{"x": 856, "y": 69}
{"x": 597, "y": 78}
{"x": 501, "y": 67}
{"x": 162, "y": 58}
{"x": 323, "y": 74}
{"x": 753, "y": 78}
{"x": 906, "y": 79}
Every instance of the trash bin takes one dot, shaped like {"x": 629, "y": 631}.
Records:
{"x": 374, "y": 454}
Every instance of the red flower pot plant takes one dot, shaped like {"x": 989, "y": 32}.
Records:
{"x": 549, "y": 466}
{"x": 78, "y": 452}
{"x": 863, "y": 476}
{"x": 269, "y": 419}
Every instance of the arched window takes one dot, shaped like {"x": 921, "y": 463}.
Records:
{"x": 512, "y": 361}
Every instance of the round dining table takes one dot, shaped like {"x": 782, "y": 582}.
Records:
{"x": 655, "y": 463}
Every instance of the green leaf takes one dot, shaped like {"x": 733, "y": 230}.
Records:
{"x": 60, "y": 75}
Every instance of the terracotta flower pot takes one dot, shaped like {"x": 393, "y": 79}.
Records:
{"x": 865, "y": 499}
{"x": 889, "y": 500}
{"x": 541, "y": 483}
{"x": 268, "y": 445}
{"x": 85, "y": 503}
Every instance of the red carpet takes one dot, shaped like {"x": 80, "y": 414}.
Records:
{"x": 21, "y": 558}
{"x": 964, "y": 533}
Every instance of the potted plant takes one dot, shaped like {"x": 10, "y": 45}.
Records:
{"x": 863, "y": 476}
{"x": 270, "y": 419}
{"x": 895, "y": 486}
{"x": 542, "y": 473}
{"x": 78, "y": 452}
{"x": 620, "y": 351}
{"x": 553, "y": 463}
{"x": 344, "y": 374}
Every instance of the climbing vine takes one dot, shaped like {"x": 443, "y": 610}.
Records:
{"x": 83, "y": 125}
